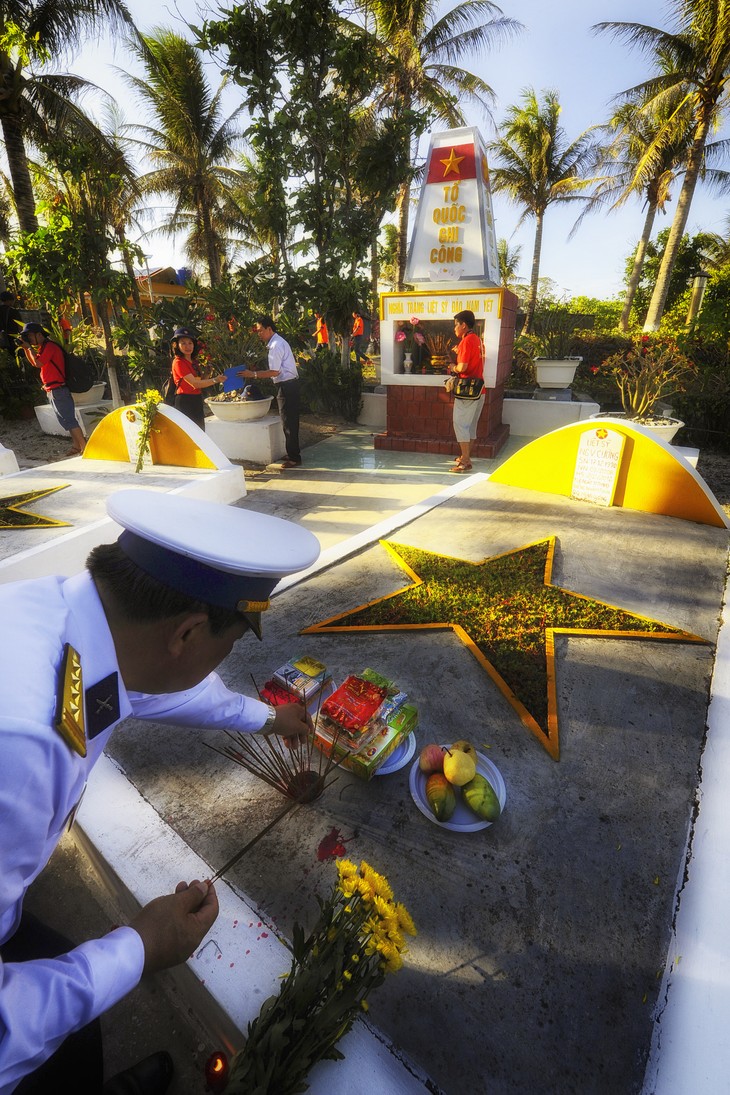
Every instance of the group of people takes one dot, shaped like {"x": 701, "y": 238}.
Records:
{"x": 190, "y": 383}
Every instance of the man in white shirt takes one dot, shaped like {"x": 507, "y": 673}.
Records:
{"x": 283, "y": 371}
{"x": 139, "y": 634}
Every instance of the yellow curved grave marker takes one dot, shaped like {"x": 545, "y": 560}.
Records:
{"x": 651, "y": 476}
{"x": 175, "y": 441}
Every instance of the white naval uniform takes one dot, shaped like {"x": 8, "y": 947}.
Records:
{"x": 41, "y": 781}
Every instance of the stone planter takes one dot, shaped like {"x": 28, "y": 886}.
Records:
{"x": 556, "y": 372}
{"x": 240, "y": 410}
{"x": 663, "y": 428}
{"x": 95, "y": 394}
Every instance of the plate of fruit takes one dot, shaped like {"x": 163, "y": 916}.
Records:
{"x": 457, "y": 788}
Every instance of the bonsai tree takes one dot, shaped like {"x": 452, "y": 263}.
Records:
{"x": 654, "y": 368}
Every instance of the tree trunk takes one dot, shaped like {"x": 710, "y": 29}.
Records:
{"x": 19, "y": 173}
{"x": 404, "y": 201}
{"x": 374, "y": 276}
{"x": 111, "y": 361}
{"x": 214, "y": 262}
{"x": 134, "y": 284}
{"x": 535, "y": 275}
{"x": 694, "y": 163}
{"x": 637, "y": 267}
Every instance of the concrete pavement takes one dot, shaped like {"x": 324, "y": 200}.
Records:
{"x": 542, "y": 940}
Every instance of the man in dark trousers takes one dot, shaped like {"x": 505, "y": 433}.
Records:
{"x": 138, "y": 633}
{"x": 283, "y": 371}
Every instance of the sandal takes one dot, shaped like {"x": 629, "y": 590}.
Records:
{"x": 461, "y": 468}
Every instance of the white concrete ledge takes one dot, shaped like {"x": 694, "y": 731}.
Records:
{"x": 535, "y": 417}
{"x": 147, "y": 859}
{"x": 260, "y": 441}
{"x": 87, "y": 416}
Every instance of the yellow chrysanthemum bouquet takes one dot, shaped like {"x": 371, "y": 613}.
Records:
{"x": 359, "y": 937}
{"x": 146, "y": 406}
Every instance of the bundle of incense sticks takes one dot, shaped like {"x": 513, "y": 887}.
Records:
{"x": 298, "y": 771}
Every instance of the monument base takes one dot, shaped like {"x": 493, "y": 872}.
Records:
{"x": 261, "y": 441}
{"x": 419, "y": 419}
{"x": 87, "y": 416}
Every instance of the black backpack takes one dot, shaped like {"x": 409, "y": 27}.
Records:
{"x": 80, "y": 373}
{"x": 169, "y": 391}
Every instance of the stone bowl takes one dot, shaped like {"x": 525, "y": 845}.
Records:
{"x": 240, "y": 410}
{"x": 95, "y": 394}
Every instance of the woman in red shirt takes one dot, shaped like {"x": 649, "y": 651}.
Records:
{"x": 189, "y": 384}
{"x": 469, "y": 363}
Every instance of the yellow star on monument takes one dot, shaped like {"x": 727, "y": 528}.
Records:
{"x": 507, "y": 612}
{"x": 452, "y": 164}
{"x": 12, "y": 516}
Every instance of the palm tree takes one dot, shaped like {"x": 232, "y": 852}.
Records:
{"x": 626, "y": 174}
{"x": 32, "y": 102}
{"x": 509, "y": 261}
{"x": 422, "y": 51}
{"x": 695, "y": 71}
{"x": 537, "y": 167}
{"x": 190, "y": 144}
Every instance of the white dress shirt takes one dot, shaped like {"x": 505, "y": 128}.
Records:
{"x": 281, "y": 359}
{"x": 41, "y": 782}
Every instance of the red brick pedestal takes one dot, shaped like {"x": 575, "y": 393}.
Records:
{"x": 419, "y": 414}
{"x": 419, "y": 420}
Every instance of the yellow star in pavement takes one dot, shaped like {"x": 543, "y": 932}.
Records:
{"x": 12, "y": 516}
{"x": 507, "y": 612}
{"x": 452, "y": 164}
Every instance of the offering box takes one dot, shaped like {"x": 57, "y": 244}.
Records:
{"x": 364, "y": 749}
{"x": 303, "y": 676}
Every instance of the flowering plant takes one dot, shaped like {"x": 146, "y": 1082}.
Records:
{"x": 358, "y": 938}
{"x": 651, "y": 369}
{"x": 410, "y": 335}
{"x": 146, "y": 406}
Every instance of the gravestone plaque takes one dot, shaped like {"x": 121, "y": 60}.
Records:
{"x": 597, "y": 464}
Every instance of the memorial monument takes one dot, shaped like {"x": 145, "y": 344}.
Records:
{"x": 453, "y": 265}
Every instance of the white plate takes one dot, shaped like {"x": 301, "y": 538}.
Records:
{"x": 463, "y": 820}
{"x": 399, "y": 757}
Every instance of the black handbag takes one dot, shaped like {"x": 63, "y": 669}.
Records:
{"x": 468, "y": 387}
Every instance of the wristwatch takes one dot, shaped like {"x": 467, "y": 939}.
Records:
{"x": 270, "y": 720}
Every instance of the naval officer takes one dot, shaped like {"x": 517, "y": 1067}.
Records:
{"x": 138, "y": 633}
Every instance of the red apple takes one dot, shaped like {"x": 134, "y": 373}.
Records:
{"x": 431, "y": 759}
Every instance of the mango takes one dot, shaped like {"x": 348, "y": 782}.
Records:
{"x": 440, "y": 796}
{"x": 480, "y": 797}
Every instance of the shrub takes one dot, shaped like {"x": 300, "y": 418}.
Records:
{"x": 329, "y": 388}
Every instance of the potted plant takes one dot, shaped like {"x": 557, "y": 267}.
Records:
{"x": 651, "y": 370}
{"x": 552, "y": 337}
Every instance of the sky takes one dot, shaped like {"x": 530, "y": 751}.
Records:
{"x": 555, "y": 50}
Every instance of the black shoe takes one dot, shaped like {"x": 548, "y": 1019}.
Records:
{"x": 151, "y": 1076}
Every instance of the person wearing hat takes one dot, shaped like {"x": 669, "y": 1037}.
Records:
{"x": 189, "y": 384}
{"x": 47, "y": 356}
{"x": 139, "y": 633}
{"x": 283, "y": 371}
